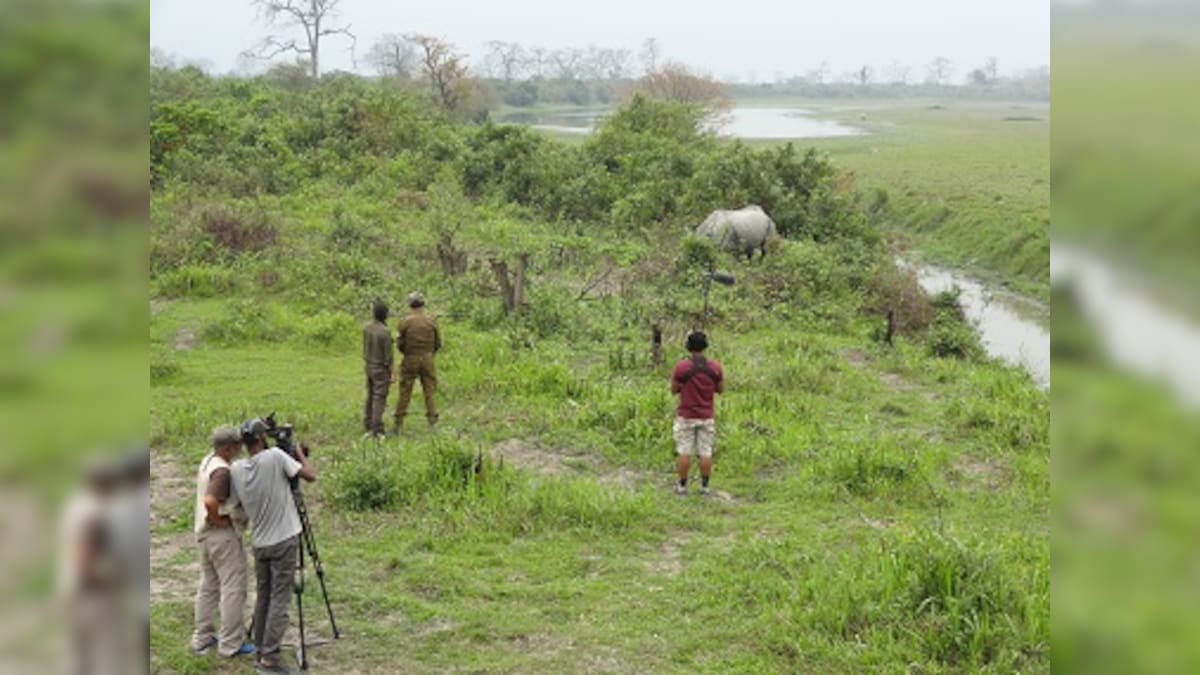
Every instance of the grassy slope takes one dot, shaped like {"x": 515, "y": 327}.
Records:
{"x": 856, "y": 492}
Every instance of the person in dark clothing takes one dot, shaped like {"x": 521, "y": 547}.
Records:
{"x": 696, "y": 379}
{"x": 377, "y": 362}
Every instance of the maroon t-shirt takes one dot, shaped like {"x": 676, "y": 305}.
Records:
{"x": 696, "y": 395}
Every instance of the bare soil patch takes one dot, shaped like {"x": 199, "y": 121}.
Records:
{"x": 988, "y": 474}
{"x": 184, "y": 340}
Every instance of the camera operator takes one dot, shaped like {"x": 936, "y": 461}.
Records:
{"x": 262, "y": 483}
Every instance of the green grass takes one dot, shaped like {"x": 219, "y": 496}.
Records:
{"x": 874, "y": 524}
{"x": 965, "y": 186}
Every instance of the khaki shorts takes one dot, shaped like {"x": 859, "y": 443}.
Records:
{"x": 694, "y": 437}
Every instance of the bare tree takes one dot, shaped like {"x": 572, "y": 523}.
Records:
{"x": 539, "y": 58}
{"x": 311, "y": 15}
{"x": 617, "y": 63}
{"x": 898, "y": 72}
{"x": 567, "y": 62}
{"x": 863, "y": 75}
{"x": 649, "y": 55}
{"x": 506, "y": 60}
{"x": 393, "y": 56}
{"x": 939, "y": 70}
{"x": 819, "y": 74}
{"x": 992, "y": 68}
{"x": 444, "y": 68}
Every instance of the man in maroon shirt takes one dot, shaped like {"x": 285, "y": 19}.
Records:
{"x": 696, "y": 380}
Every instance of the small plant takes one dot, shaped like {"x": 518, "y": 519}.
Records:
{"x": 371, "y": 485}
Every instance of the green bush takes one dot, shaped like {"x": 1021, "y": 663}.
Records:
{"x": 163, "y": 367}
{"x": 249, "y": 320}
{"x": 366, "y": 486}
{"x": 952, "y": 337}
{"x": 330, "y": 329}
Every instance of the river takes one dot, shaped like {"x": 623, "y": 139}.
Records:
{"x": 737, "y": 122}
{"x": 1009, "y": 325}
{"x": 1139, "y": 334}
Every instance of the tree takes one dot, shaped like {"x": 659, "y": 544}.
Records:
{"x": 898, "y": 73}
{"x": 939, "y": 70}
{"x": 566, "y": 63}
{"x": 444, "y": 68}
{"x": 311, "y": 15}
{"x": 675, "y": 82}
{"x": 985, "y": 75}
{"x": 819, "y": 74}
{"x": 393, "y": 56}
{"x": 539, "y": 58}
{"x": 649, "y": 55}
{"x": 506, "y": 60}
{"x": 863, "y": 75}
{"x": 616, "y": 63}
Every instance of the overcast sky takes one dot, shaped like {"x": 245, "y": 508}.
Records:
{"x": 746, "y": 39}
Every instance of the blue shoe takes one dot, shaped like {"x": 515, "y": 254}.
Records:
{"x": 246, "y": 648}
{"x": 203, "y": 649}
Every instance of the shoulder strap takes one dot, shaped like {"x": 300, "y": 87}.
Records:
{"x": 699, "y": 365}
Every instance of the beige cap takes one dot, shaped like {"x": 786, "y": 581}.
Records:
{"x": 416, "y": 298}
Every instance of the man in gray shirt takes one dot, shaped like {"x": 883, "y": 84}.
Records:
{"x": 262, "y": 483}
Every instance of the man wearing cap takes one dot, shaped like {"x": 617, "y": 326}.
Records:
{"x": 262, "y": 482}
{"x": 418, "y": 339}
{"x": 218, "y": 524}
{"x": 696, "y": 379}
{"x": 377, "y": 360}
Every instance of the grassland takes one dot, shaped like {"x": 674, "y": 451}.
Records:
{"x": 967, "y": 184}
{"x": 876, "y": 509}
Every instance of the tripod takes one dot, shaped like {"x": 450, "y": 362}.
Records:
{"x": 308, "y": 543}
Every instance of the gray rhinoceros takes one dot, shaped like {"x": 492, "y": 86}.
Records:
{"x": 741, "y": 230}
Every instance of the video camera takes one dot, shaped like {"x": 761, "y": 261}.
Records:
{"x": 282, "y": 434}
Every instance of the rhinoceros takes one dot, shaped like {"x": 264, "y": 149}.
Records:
{"x": 741, "y": 230}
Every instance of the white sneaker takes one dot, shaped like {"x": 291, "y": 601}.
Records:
{"x": 680, "y": 489}
{"x": 704, "y": 490}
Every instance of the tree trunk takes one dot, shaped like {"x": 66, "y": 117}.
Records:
{"x": 315, "y": 41}
{"x": 519, "y": 285}
{"x": 454, "y": 261}
{"x": 500, "y": 269}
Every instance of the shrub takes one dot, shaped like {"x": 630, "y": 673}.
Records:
{"x": 894, "y": 290}
{"x": 238, "y": 232}
{"x": 328, "y": 329}
{"x": 951, "y": 336}
{"x": 366, "y": 486}
{"x": 163, "y": 367}
{"x": 250, "y": 320}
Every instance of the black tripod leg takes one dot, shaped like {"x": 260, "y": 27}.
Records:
{"x": 300, "y": 611}
{"x": 298, "y": 588}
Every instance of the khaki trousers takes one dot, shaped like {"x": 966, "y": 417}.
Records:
{"x": 223, "y": 577}
{"x": 411, "y": 368}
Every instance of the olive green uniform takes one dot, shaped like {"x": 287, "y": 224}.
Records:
{"x": 418, "y": 339}
{"x": 377, "y": 361}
